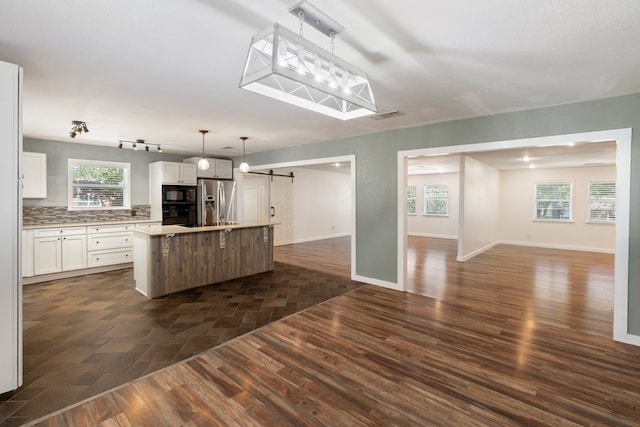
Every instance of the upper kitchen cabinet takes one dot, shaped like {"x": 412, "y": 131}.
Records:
{"x": 173, "y": 173}
{"x": 34, "y": 175}
{"x": 218, "y": 168}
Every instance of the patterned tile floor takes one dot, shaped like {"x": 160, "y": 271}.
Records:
{"x": 85, "y": 335}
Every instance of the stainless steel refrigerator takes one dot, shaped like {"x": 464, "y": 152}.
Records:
{"x": 216, "y": 202}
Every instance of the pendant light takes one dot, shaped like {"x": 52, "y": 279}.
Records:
{"x": 244, "y": 166}
{"x": 203, "y": 163}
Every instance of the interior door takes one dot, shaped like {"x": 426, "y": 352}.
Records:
{"x": 255, "y": 201}
{"x": 281, "y": 210}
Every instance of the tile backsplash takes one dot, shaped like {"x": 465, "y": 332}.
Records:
{"x": 60, "y": 215}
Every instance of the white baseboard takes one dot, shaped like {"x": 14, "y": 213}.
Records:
{"x": 377, "y": 282}
{"x": 328, "y": 236}
{"x": 555, "y": 246}
{"x": 437, "y": 236}
{"x": 628, "y": 339}
{"x": 73, "y": 273}
{"x": 477, "y": 252}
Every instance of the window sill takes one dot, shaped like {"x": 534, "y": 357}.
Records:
{"x": 601, "y": 222}
{"x": 560, "y": 221}
{"x": 438, "y": 215}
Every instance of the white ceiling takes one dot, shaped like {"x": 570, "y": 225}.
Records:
{"x": 160, "y": 70}
{"x": 577, "y": 154}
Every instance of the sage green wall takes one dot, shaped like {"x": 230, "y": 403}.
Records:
{"x": 376, "y": 171}
{"x": 59, "y": 152}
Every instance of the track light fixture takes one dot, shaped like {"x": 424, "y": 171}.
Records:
{"x": 138, "y": 143}
{"x": 244, "y": 166}
{"x": 203, "y": 163}
{"x": 77, "y": 127}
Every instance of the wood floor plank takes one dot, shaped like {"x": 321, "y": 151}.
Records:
{"x": 510, "y": 338}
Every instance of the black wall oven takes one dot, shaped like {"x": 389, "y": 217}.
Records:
{"x": 179, "y": 205}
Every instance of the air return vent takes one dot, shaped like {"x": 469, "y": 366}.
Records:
{"x": 386, "y": 115}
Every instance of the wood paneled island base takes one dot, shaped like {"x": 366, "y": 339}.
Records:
{"x": 170, "y": 259}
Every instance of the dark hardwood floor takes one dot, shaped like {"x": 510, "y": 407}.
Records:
{"x": 332, "y": 256}
{"x": 516, "y": 336}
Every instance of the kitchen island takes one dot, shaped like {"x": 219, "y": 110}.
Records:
{"x": 173, "y": 258}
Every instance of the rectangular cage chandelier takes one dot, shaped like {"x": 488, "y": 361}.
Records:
{"x": 283, "y": 65}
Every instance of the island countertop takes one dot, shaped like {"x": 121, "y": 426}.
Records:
{"x": 161, "y": 230}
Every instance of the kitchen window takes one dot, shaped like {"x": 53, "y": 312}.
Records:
{"x": 553, "y": 202}
{"x": 602, "y": 201}
{"x": 98, "y": 185}
{"x": 436, "y": 200}
{"x": 411, "y": 199}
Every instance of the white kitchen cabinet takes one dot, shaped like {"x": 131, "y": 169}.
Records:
{"x": 74, "y": 252}
{"x": 224, "y": 169}
{"x": 174, "y": 173}
{"x": 110, "y": 244}
{"x": 59, "y": 249}
{"x": 27, "y": 253}
{"x": 218, "y": 168}
{"x": 47, "y": 255}
{"x": 34, "y": 175}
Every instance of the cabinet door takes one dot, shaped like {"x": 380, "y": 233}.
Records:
{"x": 171, "y": 172}
{"x": 27, "y": 253}
{"x": 34, "y": 175}
{"x": 47, "y": 255}
{"x": 74, "y": 252}
{"x": 189, "y": 174}
{"x": 224, "y": 169}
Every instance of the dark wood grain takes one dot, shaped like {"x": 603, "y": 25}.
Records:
{"x": 515, "y": 338}
{"x": 332, "y": 256}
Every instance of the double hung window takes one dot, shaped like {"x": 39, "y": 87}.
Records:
{"x": 98, "y": 185}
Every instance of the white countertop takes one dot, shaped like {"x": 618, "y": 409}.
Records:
{"x": 161, "y": 230}
{"x": 88, "y": 224}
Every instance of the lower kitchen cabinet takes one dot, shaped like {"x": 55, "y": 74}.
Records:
{"x": 59, "y": 249}
{"x": 110, "y": 244}
{"x": 62, "y": 249}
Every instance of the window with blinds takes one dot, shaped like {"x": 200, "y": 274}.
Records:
{"x": 553, "y": 202}
{"x": 602, "y": 201}
{"x": 436, "y": 200}
{"x": 411, "y": 200}
{"x": 98, "y": 185}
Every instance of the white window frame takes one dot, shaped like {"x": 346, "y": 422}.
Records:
{"x": 126, "y": 186}
{"x": 600, "y": 181}
{"x": 426, "y": 199}
{"x": 415, "y": 200}
{"x": 571, "y": 204}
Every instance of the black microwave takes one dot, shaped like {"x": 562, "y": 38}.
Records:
{"x": 178, "y": 194}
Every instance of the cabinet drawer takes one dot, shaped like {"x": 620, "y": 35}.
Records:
{"x": 100, "y": 258}
{"x": 117, "y": 228}
{"x": 53, "y": 232}
{"x": 110, "y": 241}
{"x": 147, "y": 225}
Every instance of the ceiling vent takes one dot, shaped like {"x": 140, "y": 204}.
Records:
{"x": 387, "y": 115}
{"x": 226, "y": 147}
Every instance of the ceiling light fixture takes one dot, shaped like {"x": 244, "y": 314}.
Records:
{"x": 244, "y": 166}
{"x": 203, "y": 163}
{"x": 77, "y": 127}
{"x": 138, "y": 142}
{"x": 285, "y": 66}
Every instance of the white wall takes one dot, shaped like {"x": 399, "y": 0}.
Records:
{"x": 321, "y": 204}
{"x": 435, "y": 226}
{"x": 517, "y": 210}
{"x": 479, "y": 229}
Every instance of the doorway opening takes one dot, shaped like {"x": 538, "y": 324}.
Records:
{"x": 323, "y": 190}
{"x": 623, "y": 175}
